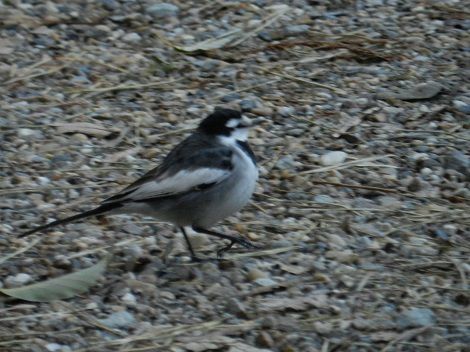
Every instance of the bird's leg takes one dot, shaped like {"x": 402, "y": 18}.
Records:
{"x": 241, "y": 241}
{"x": 194, "y": 257}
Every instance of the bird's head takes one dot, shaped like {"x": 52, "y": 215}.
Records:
{"x": 227, "y": 123}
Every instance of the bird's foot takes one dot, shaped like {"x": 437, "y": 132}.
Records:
{"x": 238, "y": 240}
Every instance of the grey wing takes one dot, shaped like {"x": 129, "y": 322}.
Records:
{"x": 193, "y": 165}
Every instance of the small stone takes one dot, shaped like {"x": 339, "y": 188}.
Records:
{"x": 54, "y": 347}
{"x": 323, "y": 199}
{"x": 425, "y": 171}
{"x": 80, "y": 137}
{"x": 122, "y": 319}
{"x": 43, "y": 181}
{"x": 262, "y": 111}
{"x": 230, "y": 97}
{"x": 18, "y": 280}
{"x": 457, "y": 161}
{"x": 265, "y": 281}
{"x": 26, "y": 132}
{"x": 255, "y": 274}
{"x": 129, "y": 298}
{"x": 416, "y": 317}
{"x": 343, "y": 256}
{"x": 198, "y": 240}
{"x": 414, "y": 185}
{"x": 286, "y": 163}
{"x": 132, "y": 229}
{"x": 323, "y": 328}
{"x": 462, "y": 106}
{"x": 264, "y": 339}
{"x": 110, "y": 4}
{"x": 420, "y": 91}
{"x": 333, "y": 158}
{"x": 132, "y": 37}
{"x": 337, "y": 240}
{"x": 247, "y": 105}
{"x": 162, "y": 10}
{"x": 286, "y": 111}
{"x": 236, "y": 308}
{"x": 297, "y": 29}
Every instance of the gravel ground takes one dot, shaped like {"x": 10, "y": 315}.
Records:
{"x": 362, "y": 206}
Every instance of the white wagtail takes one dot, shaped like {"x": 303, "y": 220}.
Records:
{"x": 207, "y": 177}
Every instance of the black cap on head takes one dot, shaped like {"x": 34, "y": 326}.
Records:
{"x": 216, "y": 123}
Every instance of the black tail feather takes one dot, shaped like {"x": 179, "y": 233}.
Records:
{"x": 97, "y": 211}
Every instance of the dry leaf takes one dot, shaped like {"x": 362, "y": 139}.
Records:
{"x": 293, "y": 269}
{"x": 213, "y": 43}
{"x": 299, "y": 304}
{"x": 61, "y": 287}
{"x": 90, "y": 129}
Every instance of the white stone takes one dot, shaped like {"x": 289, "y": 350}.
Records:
{"x": 18, "y": 280}
{"x": 132, "y": 38}
{"x": 53, "y": 347}
{"x": 129, "y": 298}
{"x": 26, "y": 132}
{"x": 333, "y": 158}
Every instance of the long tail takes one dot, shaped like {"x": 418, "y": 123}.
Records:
{"x": 97, "y": 211}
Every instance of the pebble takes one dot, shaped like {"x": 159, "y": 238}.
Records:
{"x": 27, "y": 132}
{"x": 287, "y": 163}
{"x": 129, "y": 298}
{"x": 55, "y": 347}
{"x": 323, "y": 199}
{"x": 18, "y": 280}
{"x": 248, "y": 105}
{"x": 297, "y": 29}
{"x": 457, "y": 161}
{"x": 162, "y": 10}
{"x": 119, "y": 320}
{"x": 462, "y": 106}
{"x": 255, "y": 274}
{"x": 132, "y": 37}
{"x": 133, "y": 229}
{"x": 286, "y": 111}
{"x": 110, "y": 4}
{"x": 265, "y": 281}
{"x": 262, "y": 111}
{"x": 333, "y": 158}
{"x": 416, "y": 317}
{"x": 230, "y": 97}
{"x": 421, "y": 91}
{"x": 234, "y": 306}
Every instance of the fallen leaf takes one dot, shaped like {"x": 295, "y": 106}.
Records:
{"x": 90, "y": 129}
{"x": 212, "y": 43}
{"x": 293, "y": 269}
{"x": 60, "y": 287}
{"x": 298, "y": 304}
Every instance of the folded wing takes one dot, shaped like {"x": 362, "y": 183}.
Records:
{"x": 186, "y": 171}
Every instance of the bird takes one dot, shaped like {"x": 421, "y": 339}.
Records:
{"x": 207, "y": 177}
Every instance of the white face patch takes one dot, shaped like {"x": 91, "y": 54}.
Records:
{"x": 244, "y": 122}
{"x": 232, "y": 123}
